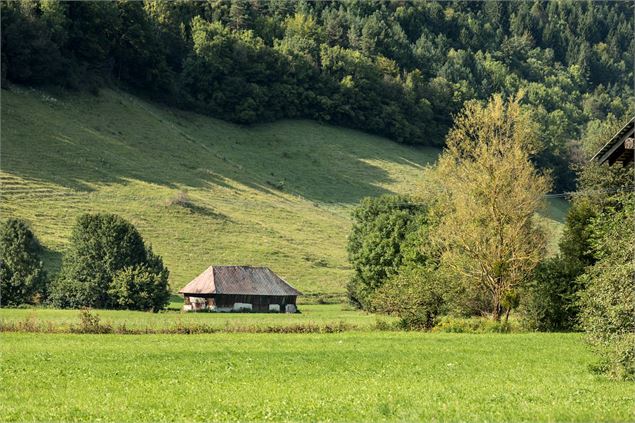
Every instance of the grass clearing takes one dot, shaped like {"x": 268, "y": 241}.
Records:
{"x": 200, "y": 190}
{"x": 331, "y": 314}
{"x": 353, "y": 376}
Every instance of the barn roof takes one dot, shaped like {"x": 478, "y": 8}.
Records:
{"x": 239, "y": 280}
{"x": 619, "y": 148}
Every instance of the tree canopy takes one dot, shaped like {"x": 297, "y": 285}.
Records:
{"x": 487, "y": 194}
{"x": 608, "y": 301}
{"x": 22, "y": 277}
{"x": 399, "y": 69}
{"x": 385, "y": 236}
{"x": 107, "y": 265}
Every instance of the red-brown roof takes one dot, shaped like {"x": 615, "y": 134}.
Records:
{"x": 239, "y": 280}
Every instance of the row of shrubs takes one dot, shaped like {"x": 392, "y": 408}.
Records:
{"x": 106, "y": 265}
{"x": 90, "y": 322}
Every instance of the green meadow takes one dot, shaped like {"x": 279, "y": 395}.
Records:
{"x": 351, "y": 376}
{"x": 310, "y": 314}
{"x": 200, "y": 190}
{"x": 203, "y": 191}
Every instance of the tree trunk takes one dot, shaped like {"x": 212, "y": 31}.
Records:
{"x": 497, "y": 311}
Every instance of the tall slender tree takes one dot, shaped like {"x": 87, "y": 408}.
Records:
{"x": 488, "y": 195}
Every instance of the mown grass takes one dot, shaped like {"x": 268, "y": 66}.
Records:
{"x": 353, "y": 376}
{"x": 277, "y": 195}
{"x": 310, "y": 316}
{"x": 200, "y": 190}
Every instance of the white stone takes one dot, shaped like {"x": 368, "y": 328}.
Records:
{"x": 290, "y": 308}
{"x": 274, "y": 307}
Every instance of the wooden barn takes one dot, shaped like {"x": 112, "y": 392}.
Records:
{"x": 239, "y": 288}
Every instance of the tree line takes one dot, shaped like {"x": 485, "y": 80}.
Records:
{"x": 468, "y": 242}
{"x": 107, "y": 265}
{"x": 398, "y": 69}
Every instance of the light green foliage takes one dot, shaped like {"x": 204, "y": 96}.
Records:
{"x": 64, "y": 155}
{"x": 21, "y": 275}
{"x": 477, "y": 325}
{"x": 608, "y": 302}
{"x": 371, "y": 376}
{"x": 597, "y": 133}
{"x": 486, "y": 194}
{"x": 417, "y": 295}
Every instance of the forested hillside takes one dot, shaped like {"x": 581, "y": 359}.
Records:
{"x": 398, "y": 69}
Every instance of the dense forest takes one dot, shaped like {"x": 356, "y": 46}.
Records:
{"x": 399, "y": 69}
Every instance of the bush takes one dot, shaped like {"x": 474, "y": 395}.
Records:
{"x": 102, "y": 245}
{"x": 90, "y": 323}
{"x": 22, "y": 278}
{"x": 608, "y": 302}
{"x": 550, "y": 301}
{"x": 385, "y": 234}
{"x": 416, "y": 295}
{"x": 138, "y": 288}
{"x": 181, "y": 199}
{"x": 475, "y": 325}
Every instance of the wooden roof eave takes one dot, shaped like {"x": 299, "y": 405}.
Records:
{"x": 616, "y": 142}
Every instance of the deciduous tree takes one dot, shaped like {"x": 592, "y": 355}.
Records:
{"x": 102, "y": 245}
{"x": 21, "y": 273}
{"x": 384, "y": 237}
{"x": 488, "y": 192}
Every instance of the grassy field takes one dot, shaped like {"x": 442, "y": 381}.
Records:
{"x": 277, "y": 195}
{"x": 321, "y": 314}
{"x": 352, "y": 376}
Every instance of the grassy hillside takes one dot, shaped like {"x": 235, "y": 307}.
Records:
{"x": 200, "y": 190}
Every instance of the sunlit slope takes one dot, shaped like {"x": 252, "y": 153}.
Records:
{"x": 200, "y": 190}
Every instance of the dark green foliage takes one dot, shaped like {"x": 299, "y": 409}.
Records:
{"x": 574, "y": 245}
{"x": 598, "y": 245}
{"x": 101, "y": 246}
{"x": 22, "y": 279}
{"x": 549, "y": 301}
{"x": 608, "y": 302}
{"x": 385, "y": 236}
{"x": 30, "y": 54}
{"x": 396, "y": 69}
{"x": 139, "y": 288}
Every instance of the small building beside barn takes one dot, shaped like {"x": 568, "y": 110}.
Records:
{"x": 239, "y": 288}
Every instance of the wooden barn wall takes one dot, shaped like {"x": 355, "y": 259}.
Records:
{"x": 257, "y": 301}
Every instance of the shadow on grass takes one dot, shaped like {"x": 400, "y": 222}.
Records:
{"x": 115, "y": 138}
{"x": 51, "y": 261}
